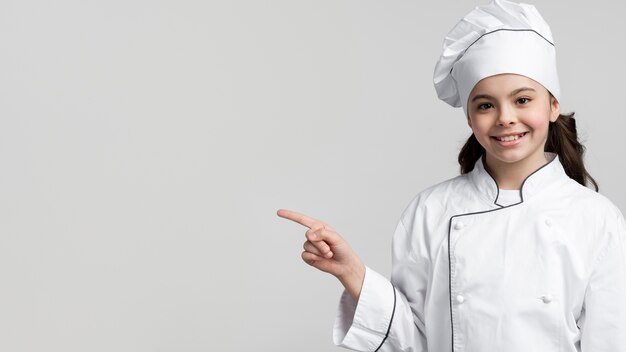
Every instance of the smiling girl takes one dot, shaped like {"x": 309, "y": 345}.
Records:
{"x": 510, "y": 116}
{"x": 514, "y": 254}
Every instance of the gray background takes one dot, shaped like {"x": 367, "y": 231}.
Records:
{"x": 145, "y": 147}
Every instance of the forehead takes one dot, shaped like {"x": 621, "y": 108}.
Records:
{"x": 504, "y": 83}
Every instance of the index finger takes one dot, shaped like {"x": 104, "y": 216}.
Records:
{"x": 300, "y": 218}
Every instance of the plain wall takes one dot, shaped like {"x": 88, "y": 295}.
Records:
{"x": 145, "y": 147}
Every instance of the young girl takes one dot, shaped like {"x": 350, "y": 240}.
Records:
{"x": 516, "y": 253}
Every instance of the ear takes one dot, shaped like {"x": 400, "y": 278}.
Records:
{"x": 555, "y": 109}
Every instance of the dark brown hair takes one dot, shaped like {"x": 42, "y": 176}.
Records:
{"x": 562, "y": 140}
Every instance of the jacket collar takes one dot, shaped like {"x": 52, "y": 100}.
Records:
{"x": 537, "y": 181}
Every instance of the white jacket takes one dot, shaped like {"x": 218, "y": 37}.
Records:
{"x": 545, "y": 274}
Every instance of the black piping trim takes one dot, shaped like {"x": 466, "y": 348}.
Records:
{"x": 450, "y": 284}
{"x": 510, "y": 30}
{"x": 502, "y": 29}
{"x": 527, "y": 177}
{"x": 475, "y": 213}
{"x": 494, "y": 181}
{"x": 390, "y": 320}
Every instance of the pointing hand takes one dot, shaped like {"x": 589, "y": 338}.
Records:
{"x": 327, "y": 251}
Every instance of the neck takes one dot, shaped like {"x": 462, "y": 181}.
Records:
{"x": 512, "y": 175}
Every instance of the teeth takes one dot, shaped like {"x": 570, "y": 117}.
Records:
{"x": 509, "y": 138}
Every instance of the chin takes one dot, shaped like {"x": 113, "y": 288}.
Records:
{"x": 516, "y": 157}
{"x": 510, "y": 161}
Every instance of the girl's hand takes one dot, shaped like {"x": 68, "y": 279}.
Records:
{"x": 327, "y": 251}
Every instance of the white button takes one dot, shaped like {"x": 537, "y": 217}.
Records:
{"x": 548, "y": 222}
{"x": 460, "y": 299}
{"x": 459, "y": 226}
{"x": 547, "y": 298}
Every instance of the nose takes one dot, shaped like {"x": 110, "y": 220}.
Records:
{"x": 506, "y": 116}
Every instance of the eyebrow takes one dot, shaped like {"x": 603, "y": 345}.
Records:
{"x": 486, "y": 96}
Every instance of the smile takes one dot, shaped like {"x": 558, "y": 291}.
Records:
{"x": 510, "y": 138}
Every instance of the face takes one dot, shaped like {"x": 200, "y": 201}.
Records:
{"x": 509, "y": 115}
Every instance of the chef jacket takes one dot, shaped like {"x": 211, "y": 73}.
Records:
{"x": 469, "y": 275}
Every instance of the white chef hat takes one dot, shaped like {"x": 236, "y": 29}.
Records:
{"x": 500, "y": 37}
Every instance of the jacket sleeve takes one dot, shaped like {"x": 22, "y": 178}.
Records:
{"x": 385, "y": 318}
{"x": 603, "y": 322}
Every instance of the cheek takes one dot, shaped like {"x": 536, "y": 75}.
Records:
{"x": 482, "y": 135}
{"x": 539, "y": 123}
{"x": 480, "y": 128}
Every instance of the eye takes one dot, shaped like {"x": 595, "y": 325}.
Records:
{"x": 523, "y": 101}
{"x": 484, "y": 106}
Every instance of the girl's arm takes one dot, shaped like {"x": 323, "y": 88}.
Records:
{"x": 374, "y": 315}
{"x": 603, "y": 322}
{"x": 388, "y": 317}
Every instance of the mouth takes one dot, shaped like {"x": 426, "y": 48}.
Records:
{"x": 509, "y": 137}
